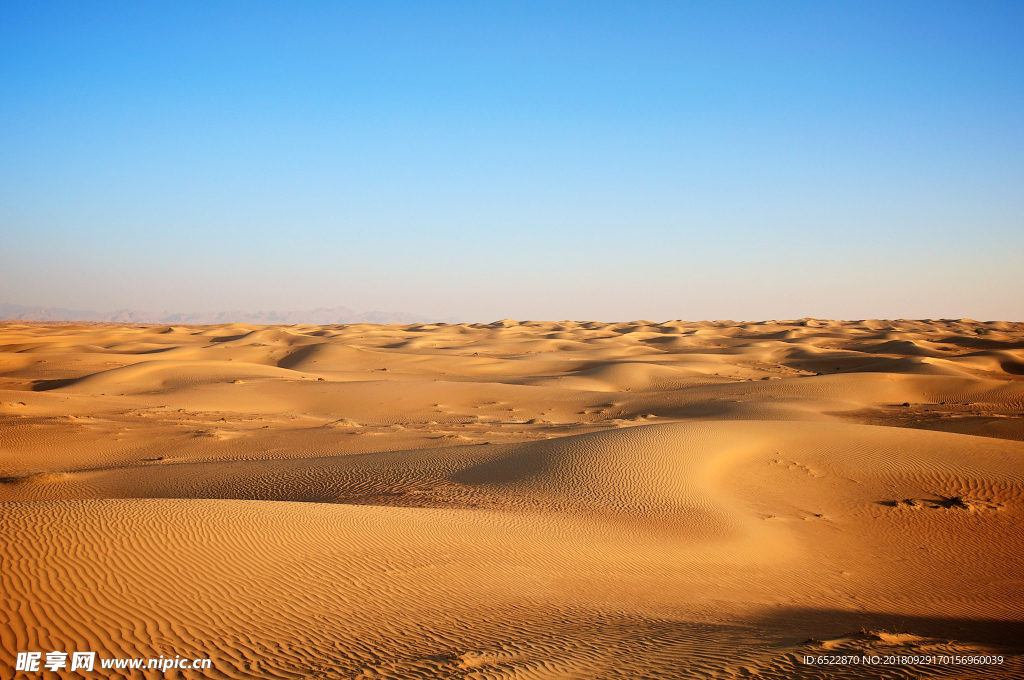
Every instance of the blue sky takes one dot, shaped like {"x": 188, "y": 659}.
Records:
{"x": 483, "y": 160}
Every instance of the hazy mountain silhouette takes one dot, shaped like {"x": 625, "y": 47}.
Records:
{"x": 319, "y": 316}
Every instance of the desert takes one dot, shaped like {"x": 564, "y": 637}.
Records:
{"x": 516, "y": 499}
{"x": 467, "y": 340}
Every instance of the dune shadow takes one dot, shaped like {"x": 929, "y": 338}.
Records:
{"x": 982, "y": 343}
{"x": 291, "y": 359}
{"x": 46, "y": 385}
{"x": 1013, "y": 367}
{"x": 792, "y": 626}
{"x": 229, "y": 338}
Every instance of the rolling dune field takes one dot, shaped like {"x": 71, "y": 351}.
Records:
{"x": 515, "y": 499}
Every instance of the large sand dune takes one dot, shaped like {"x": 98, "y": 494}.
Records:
{"x": 515, "y": 500}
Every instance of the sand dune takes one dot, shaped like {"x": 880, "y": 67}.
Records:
{"x": 516, "y": 499}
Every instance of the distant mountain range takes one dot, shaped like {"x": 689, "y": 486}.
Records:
{"x": 320, "y": 316}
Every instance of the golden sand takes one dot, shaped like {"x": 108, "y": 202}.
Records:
{"x": 515, "y": 500}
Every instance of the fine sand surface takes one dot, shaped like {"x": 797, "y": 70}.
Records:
{"x": 516, "y": 499}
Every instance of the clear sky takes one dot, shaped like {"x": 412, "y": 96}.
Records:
{"x": 545, "y": 160}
